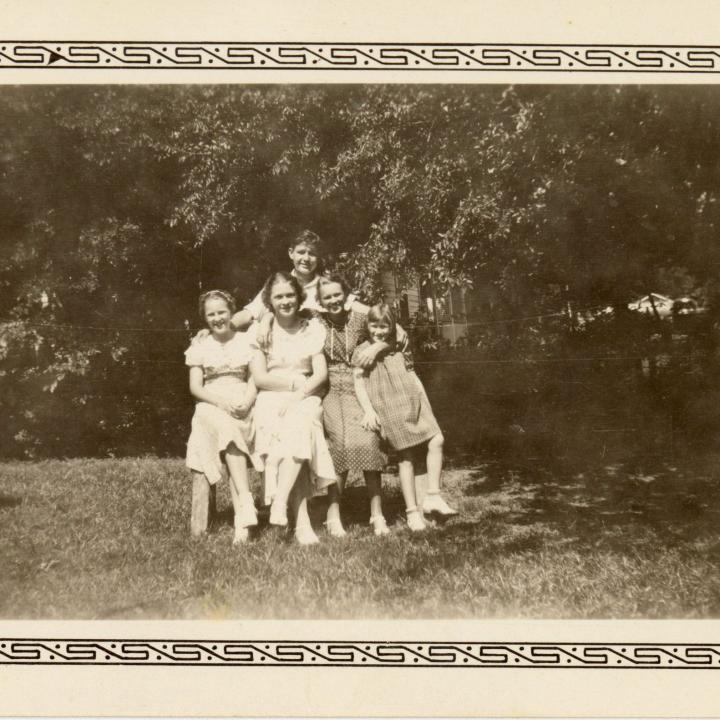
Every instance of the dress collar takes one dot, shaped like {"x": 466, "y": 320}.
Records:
{"x": 311, "y": 284}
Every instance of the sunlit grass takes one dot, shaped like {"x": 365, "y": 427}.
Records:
{"x": 110, "y": 539}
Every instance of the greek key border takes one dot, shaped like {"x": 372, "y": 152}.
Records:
{"x": 275, "y": 653}
{"x": 456, "y": 57}
{"x": 465, "y": 57}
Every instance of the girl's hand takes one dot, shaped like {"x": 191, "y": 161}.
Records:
{"x": 401, "y": 336}
{"x": 367, "y": 356}
{"x": 242, "y": 409}
{"x": 370, "y": 421}
{"x": 227, "y": 407}
{"x": 200, "y": 335}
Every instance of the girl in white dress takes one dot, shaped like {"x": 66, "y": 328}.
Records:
{"x": 288, "y": 413}
{"x": 222, "y": 426}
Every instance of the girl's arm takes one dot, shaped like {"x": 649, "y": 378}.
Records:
{"x": 241, "y": 320}
{"x": 254, "y": 310}
{"x": 370, "y": 421}
{"x": 264, "y": 380}
{"x": 264, "y": 329}
{"x": 250, "y": 394}
{"x": 318, "y": 377}
{"x": 199, "y": 392}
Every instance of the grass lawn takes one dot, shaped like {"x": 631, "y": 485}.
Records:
{"x": 110, "y": 539}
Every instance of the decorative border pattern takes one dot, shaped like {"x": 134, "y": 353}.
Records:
{"x": 359, "y": 654}
{"x": 467, "y": 57}
{"x": 457, "y": 57}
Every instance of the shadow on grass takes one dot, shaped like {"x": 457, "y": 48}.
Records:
{"x": 9, "y": 501}
{"x": 508, "y": 506}
{"x": 612, "y": 504}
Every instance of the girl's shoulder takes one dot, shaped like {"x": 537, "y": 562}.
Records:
{"x": 250, "y": 337}
{"x": 198, "y": 351}
{"x": 359, "y": 314}
{"x": 241, "y": 343}
{"x": 314, "y": 334}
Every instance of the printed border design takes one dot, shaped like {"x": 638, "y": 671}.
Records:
{"x": 466, "y": 57}
{"x": 358, "y": 654}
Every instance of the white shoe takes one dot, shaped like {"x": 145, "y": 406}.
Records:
{"x": 379, "y": 525}
{"x": 247, "y": 516}
{"x": 415, "y": 520}
{"x": 242, "y": 535}
{"x": 278, "y": 515}
{"x": 305, "y": 535}
{"x": 435, "y": 504}
{"x": 335, "y": 529}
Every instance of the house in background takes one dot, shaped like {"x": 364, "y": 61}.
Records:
{"x": 450, "y": 314}
{"x": 663, "y": 305}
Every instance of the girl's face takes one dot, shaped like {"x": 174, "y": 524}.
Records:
{"x": 217, "y": 315}
{"x": 304, "y": 260}
{"x": 284, "y": 300}
{"x": 332, "y": 298}
{"x": 379, "y": 330}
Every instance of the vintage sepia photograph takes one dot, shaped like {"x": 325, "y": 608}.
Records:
{"x": 359, "y": 359}
{"x": 359, "y": 352}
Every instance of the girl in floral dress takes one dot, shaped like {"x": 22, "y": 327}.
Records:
{"x": 289, "y": 372}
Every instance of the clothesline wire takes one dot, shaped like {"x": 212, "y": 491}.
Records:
{"x": 67, "y": 326}
{"x": 478, "y": 323}
{"x": 475, "y": 361}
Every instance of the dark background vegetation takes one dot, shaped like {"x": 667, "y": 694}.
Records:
{"x": 117, "y": 204}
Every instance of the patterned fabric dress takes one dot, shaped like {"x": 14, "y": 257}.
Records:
{"x": 298, "y": 433}
{"x": 352, "y": 447}
{"x": 399, "y": 399}
{"x": 225, "y": 372}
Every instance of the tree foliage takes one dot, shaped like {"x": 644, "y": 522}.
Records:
{"x": 118, "y": 203}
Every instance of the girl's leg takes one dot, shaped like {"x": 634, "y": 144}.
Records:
{"x": 433, "y": 501}
{"x": 406, "y": 471}
{"x": 242, "y": 500}
{"x": 334, "y": 520}
{"x": 288, "y": 470}
{"x": 201, "y": 509}
{"x": 374, "y": 487}
{"x": 302, "y": 491}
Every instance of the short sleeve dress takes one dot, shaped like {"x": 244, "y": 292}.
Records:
{"x": 225, "y": 367}
{"x": 353, "y": 448}
{"x": 399, "y": 399}
{"x": 298, "y": 433}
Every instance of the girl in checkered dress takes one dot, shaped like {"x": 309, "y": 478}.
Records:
{"x": 396, "y": 405}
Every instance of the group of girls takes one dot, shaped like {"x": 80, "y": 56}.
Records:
{"x": 259, "y": 400}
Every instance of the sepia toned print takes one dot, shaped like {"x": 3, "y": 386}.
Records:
{"x": 559, "y": 308}
{"x": 551, "y": 253}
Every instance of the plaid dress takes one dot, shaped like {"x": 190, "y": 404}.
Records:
{"x": 352, "y": 447}
{"x": 399, "y": 399}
